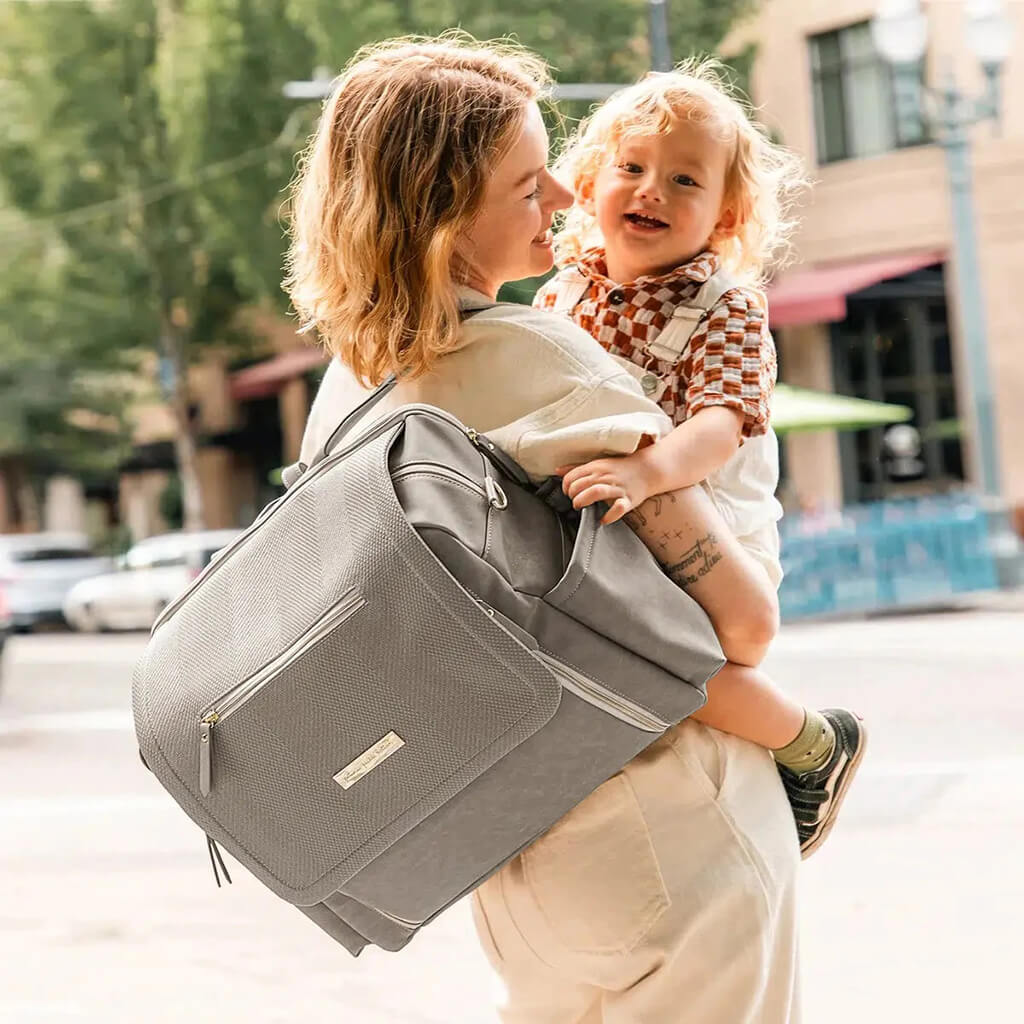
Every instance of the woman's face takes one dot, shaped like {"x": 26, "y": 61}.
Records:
{"x": 511, "y": 238}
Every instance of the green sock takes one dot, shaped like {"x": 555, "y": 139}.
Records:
{"x": 812, "y": 747}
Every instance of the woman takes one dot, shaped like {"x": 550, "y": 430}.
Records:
{"x": 668, "y": 894}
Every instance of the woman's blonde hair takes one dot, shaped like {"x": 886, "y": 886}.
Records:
{"x": 761, "y": 178}
{"x": 394, "y": 174}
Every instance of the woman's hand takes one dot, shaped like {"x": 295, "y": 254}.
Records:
{"x": 623, "y": 481}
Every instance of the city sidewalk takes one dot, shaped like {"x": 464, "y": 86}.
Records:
{"x": 912, "y": 911}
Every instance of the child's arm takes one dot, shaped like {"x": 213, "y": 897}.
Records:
{"x": 721, "y": 407}
{"x": 693, "y": 451}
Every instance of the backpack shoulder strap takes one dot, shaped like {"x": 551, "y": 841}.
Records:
{"x": 290, "y": 474}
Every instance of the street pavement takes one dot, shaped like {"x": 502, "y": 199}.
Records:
{"x": 912, "y": 912}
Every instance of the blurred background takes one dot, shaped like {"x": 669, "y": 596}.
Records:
{"x": 152, "y": 386}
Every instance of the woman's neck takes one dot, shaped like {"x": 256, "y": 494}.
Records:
{"x": 479, "y": 285}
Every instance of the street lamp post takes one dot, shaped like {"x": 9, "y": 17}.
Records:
{"x": 661, "y": 50}
{"x": 900, "y": 32}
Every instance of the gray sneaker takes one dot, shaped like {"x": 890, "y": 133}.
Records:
{"x": 816, "y": 796}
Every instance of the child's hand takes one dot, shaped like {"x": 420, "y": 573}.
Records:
{"x": 624, "y": 481}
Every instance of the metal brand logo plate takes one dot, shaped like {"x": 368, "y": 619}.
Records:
{"x": 368, "y": 760}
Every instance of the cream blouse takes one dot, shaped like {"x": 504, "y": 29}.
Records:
{"x": 536, "y": 384}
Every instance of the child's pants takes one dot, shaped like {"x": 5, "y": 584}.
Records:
{"x": 666, "y": 897}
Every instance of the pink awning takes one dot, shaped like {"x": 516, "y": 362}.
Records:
{"x": 814, "y": 294}
{"x": 270, "y": 376}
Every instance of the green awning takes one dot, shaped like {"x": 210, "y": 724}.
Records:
{"x": 802, "y": 409}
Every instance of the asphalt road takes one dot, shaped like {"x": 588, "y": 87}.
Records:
{"x": 911, "y": 912}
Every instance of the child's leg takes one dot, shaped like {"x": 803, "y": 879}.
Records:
{"x": 745, "y": 702}
{"x": 818, "y": 753}
{"x": 687, "y": 534}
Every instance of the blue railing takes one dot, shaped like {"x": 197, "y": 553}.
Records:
{"x": 887, "y": 554}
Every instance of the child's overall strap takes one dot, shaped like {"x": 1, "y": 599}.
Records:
{"x": 687, "y": 317}
{"x": 569, "y": 287}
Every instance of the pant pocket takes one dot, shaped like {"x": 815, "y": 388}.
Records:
{"x": 594, "y": 876}
{"x": 700, "y": 749}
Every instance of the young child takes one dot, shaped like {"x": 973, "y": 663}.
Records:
{"x": 680, "y": 203}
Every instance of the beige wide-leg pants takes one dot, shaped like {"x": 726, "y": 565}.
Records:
{"x": 666, "y": 897}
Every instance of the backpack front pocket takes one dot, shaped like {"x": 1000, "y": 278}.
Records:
{"x": 319, "y": 772}
{"x": 238, "y": 696}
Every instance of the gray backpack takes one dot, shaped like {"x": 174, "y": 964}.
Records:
{"x": 409, "y": 667}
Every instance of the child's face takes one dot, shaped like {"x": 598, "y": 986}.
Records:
{"x": 659, "y": 199}
{"x": 511, "y": 238}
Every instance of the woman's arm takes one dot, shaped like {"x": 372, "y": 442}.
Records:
{"x": 687, "y": 535}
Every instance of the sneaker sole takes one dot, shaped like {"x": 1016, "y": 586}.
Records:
{"x": 839, "y": 794}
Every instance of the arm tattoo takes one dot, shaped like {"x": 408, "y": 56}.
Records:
{"x": 636, "y": 519}
{"x": 696, "y": 562}
{"x": 653, "y": 505}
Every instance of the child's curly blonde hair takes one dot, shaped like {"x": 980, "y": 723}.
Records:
{"x": 761, "y": 181}
{"x": 393, "y": 177}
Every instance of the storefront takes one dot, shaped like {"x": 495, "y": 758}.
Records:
{"x": 870, "y": 306}
{"x": 885, "y": 339}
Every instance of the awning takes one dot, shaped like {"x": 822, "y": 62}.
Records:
{"x": 268, "y": 377}
{"x": 816, "y": 294}
{"x": 802, "y": 409}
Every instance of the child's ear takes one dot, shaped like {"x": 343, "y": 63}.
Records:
{"x": 585, "y": 198}
{"x": 728, "y": 222}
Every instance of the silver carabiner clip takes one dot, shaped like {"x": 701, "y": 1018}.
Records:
{"x": 495, "y": 495}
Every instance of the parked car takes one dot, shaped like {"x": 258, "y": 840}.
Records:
{"x": 151, "y": 575}
{"x": 5, "y": 625}
{"x": 38, "y": 569}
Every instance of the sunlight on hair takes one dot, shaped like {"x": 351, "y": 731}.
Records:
{"x": 762, "y": 177}
{"x": 394, "y": 174}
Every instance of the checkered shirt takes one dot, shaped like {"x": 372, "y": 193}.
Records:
{"x": 730, "y": 358}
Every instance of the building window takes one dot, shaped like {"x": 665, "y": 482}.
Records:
{"x": 894, "y": 346}
{"x": 854, "y": 102}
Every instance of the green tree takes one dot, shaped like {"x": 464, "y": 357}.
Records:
{"x": 139, "y": 132}
{"x": 145, "y": 150}
{"x": 65, "y": 316}
{"x": 584, "y": 40}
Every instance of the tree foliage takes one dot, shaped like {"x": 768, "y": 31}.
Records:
{"x": 145, "y": 151}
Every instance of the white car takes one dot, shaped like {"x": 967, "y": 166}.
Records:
{"x": 151, "y": 575}
{"x": 5, "y": 625}
{"x": 37, "y": 570}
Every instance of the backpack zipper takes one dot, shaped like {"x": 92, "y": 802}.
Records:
{"x": 239, "y": 695}
{"x": 490, "y": 491}
{"x": 226, "y": 552}
{"x": 601, "y": 697}
{"x": 572, "y": 679}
